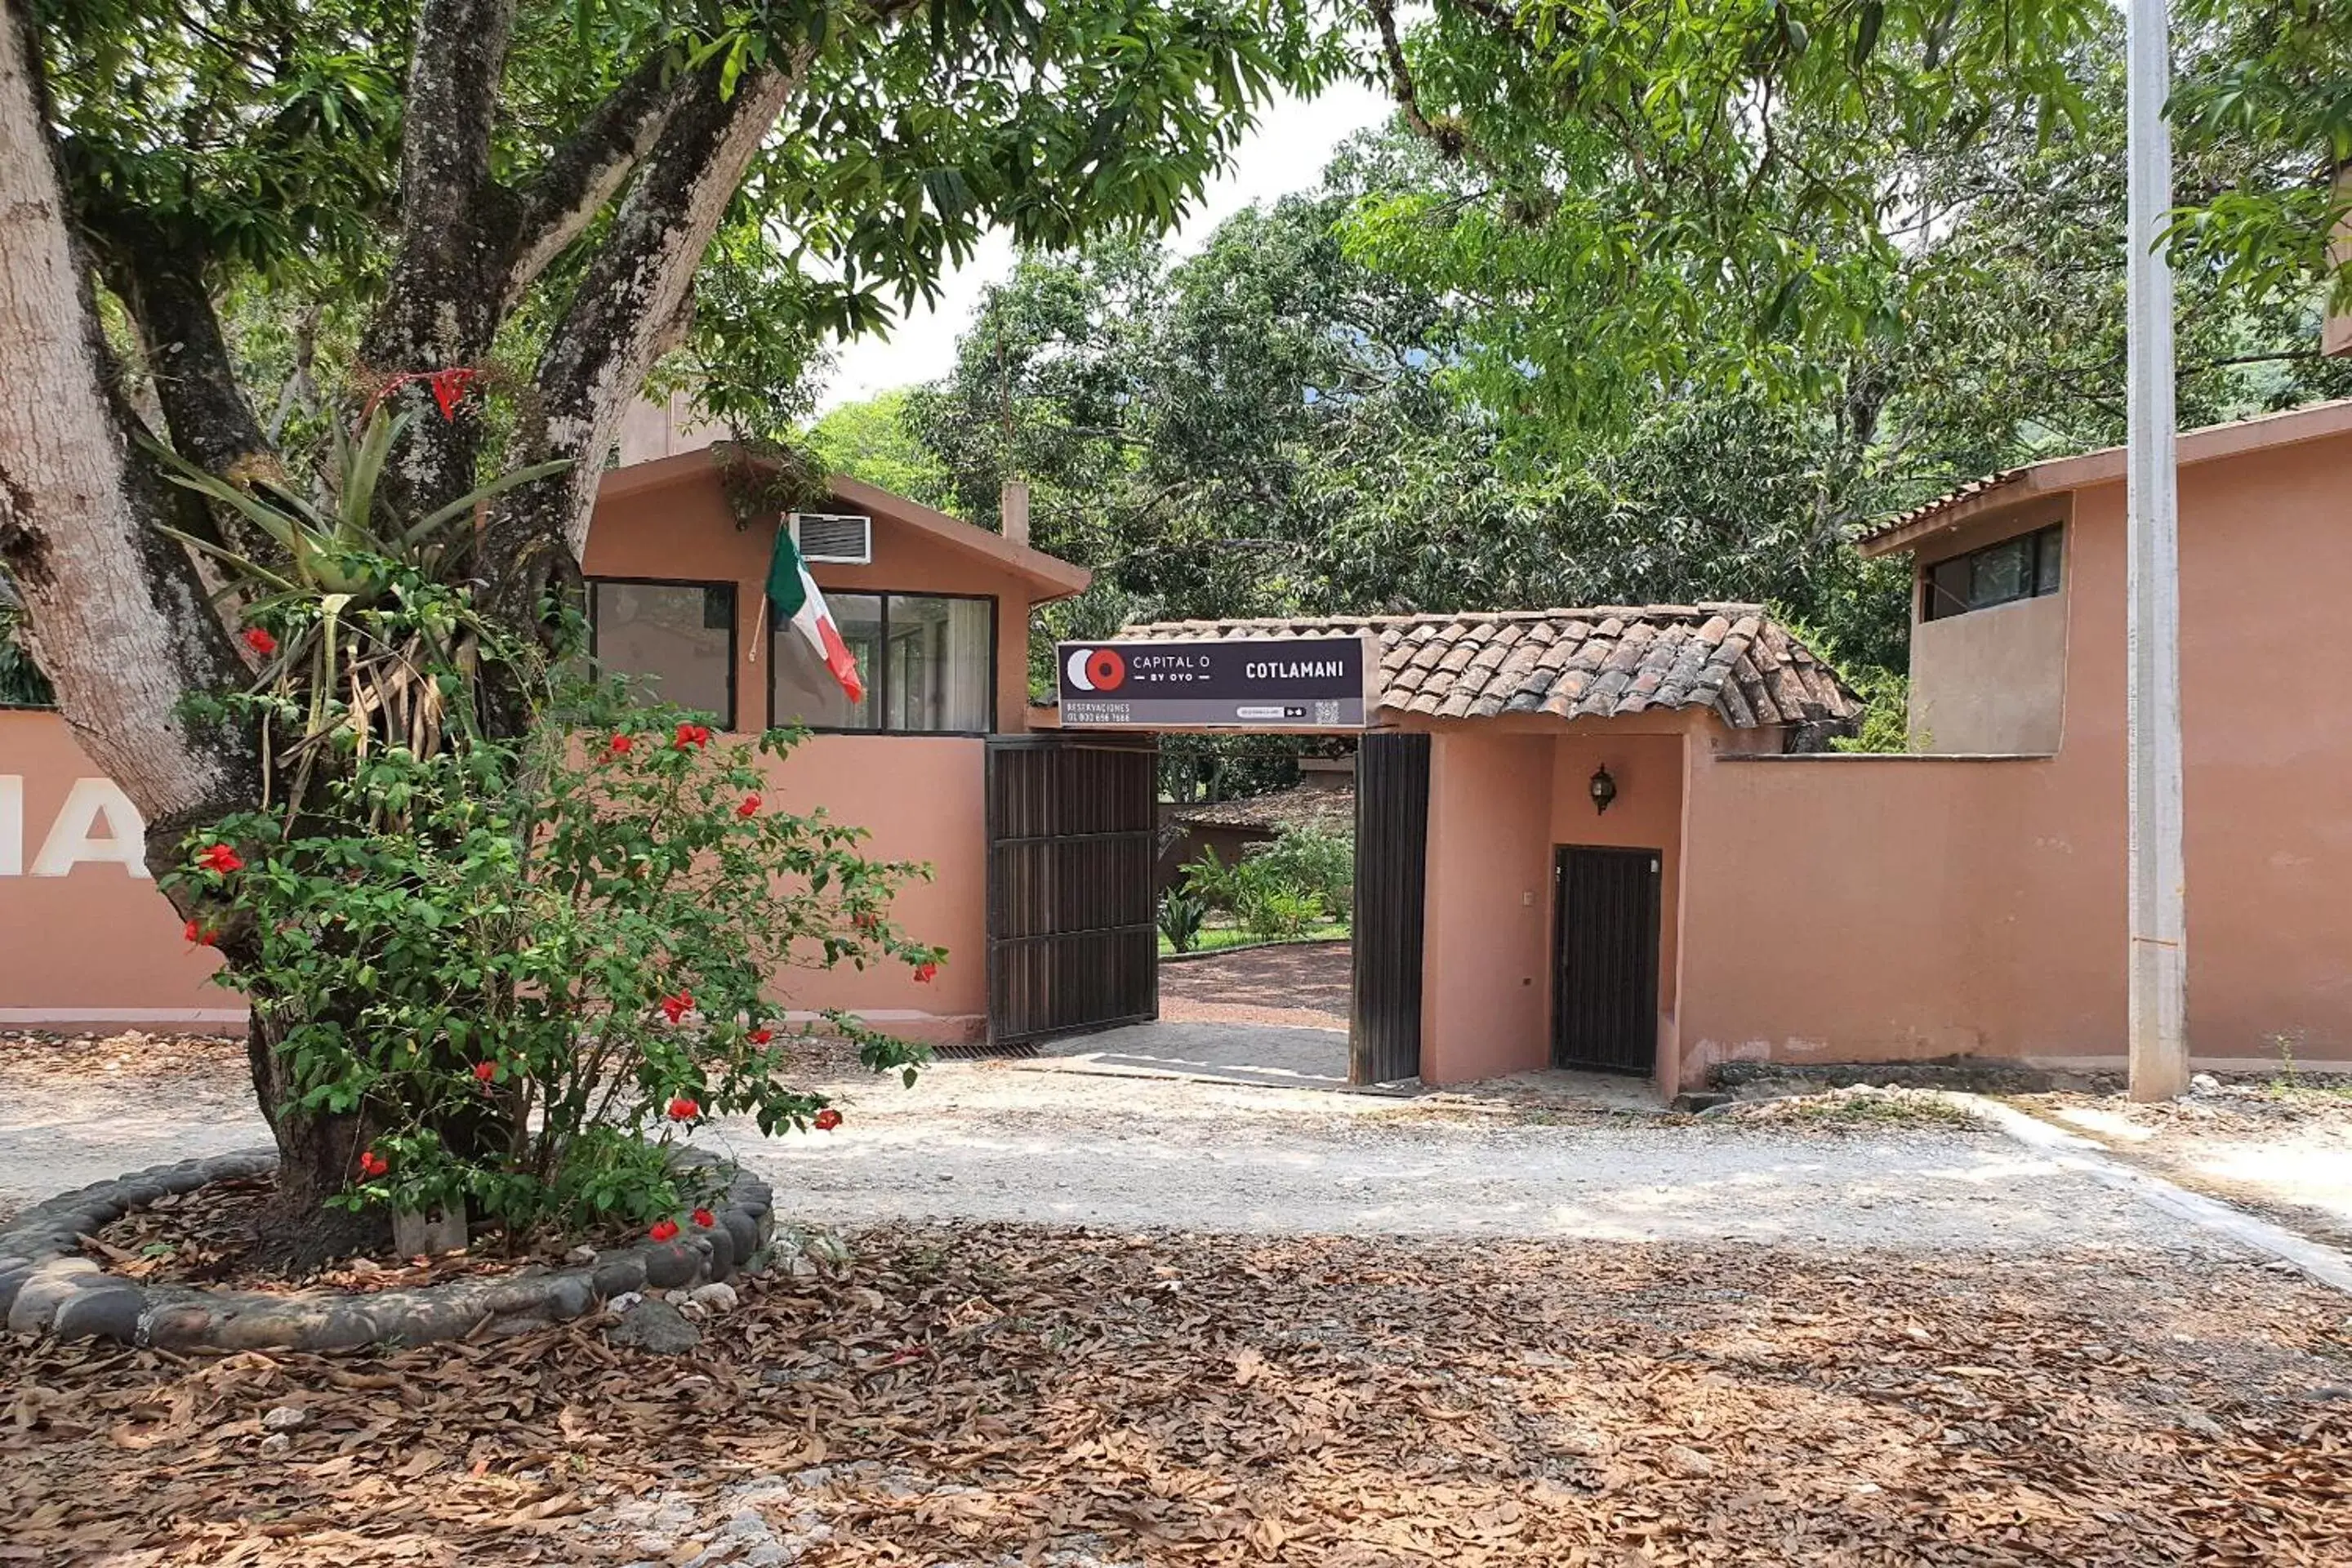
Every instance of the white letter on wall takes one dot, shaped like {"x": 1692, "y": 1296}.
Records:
{"x": 12, "y": 824}
{"x": 70, "y": 844}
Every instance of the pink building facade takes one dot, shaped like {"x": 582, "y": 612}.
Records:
{"x": 1968, "y": 899}
{"x": 1748, "y": 896}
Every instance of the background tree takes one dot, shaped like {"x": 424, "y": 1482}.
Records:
{"x": 1655, "y": 199}
{"x": 869, "y": 440}
{"x": 1442, "y": 410}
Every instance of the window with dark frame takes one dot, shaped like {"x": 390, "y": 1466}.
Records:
{"x": 681, "y": 635}
{"x": 928, "y": 661}
{"x": 2028, "y": 566}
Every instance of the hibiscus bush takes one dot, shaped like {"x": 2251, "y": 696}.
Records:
{"x": 524, "y": 966}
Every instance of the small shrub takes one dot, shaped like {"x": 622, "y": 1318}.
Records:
{"x": 525, "y": 966}
{"x": 1212, "y": 881}
{"x": 1886, "y": 718}
{"x": 1181, "y": 911}
{"x": 1281, "y": 914}
{"x": 22, "y": 684}
{"x": 1321, "y": 865}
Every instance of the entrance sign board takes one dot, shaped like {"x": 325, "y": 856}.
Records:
{"x": 1234, "y": 683}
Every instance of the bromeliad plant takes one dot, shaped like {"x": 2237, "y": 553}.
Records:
{"x": 523, "y": 968}
{"x": 333, "y": 665}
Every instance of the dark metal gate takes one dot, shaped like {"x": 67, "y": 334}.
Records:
{"x": 1605, "y": 968}
{"x": 1391, "y": 869}
{"x": 1072, "y": 943}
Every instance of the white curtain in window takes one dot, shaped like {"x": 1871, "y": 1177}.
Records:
{"x": 938, "y": 663}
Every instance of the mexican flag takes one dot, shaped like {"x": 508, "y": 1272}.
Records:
{"x": 795, "y": 595}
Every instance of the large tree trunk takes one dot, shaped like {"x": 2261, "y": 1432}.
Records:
{"x": 316, "y": 1154}
{"x": 458, "y": 232}
{"x": 115, "y": 612}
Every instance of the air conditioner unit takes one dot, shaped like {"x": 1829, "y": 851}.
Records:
{"x": 842, "y": 536}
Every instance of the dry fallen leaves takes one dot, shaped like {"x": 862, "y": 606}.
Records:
{"x": 982, "y": 1394}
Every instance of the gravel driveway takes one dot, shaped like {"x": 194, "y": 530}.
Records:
{"x": 1041, "y": 1142}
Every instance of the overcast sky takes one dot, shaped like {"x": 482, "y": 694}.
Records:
{"x": 1293, "y": 140}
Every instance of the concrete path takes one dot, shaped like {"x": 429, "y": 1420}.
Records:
{"x": 1271, "y": 1056}
{"x": 995, "y": 1141}
{"x": 61, "y": 1134}
{"x": 1003, "y": 1141}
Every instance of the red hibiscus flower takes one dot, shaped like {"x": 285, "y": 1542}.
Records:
{"x": 683, "y": 1109}
{"x": 924, "y": 971}
{"x": 677, "y": 1006}
{"x": 260, "y": 641}
{"x": 750, "y": 807}
{"x": 761, "y": 1036}
{"x": 485, "y": 1072}
{"x": 618, "y": 746}
{"x": 828, "y": 1119}
{"x": 372, "y": 1165}
{"x": 663, "y": 1230}
{"x": 220, "y": 857}
{"x": 696, "y": 735}
{"x": 705, "y": 1218}
{"x": 196, "y": 933}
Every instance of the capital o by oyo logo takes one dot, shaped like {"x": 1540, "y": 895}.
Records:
{"x": 1096, "y": 669}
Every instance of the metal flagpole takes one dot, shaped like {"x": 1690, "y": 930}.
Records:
{"x": 2159, "y": 937}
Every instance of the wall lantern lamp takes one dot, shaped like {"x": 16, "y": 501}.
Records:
{"x": 1604, "y": 789}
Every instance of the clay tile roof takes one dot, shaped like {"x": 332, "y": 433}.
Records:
{"x": 1602, "y": 662}
{"x": 1327, "y": 808}
{"x": 1942, "y": 503}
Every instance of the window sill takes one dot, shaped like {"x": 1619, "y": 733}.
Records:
{"x": 899, "y": 734}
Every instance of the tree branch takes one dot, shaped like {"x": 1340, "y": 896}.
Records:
{"x": 447, "y": 292}
{"x": 161, "y": 280}
{"x": 582, "y": 175}
{"x": 628, "y": 304}
{"x": 1449, "y": 141}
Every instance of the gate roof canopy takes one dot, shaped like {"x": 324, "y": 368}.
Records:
{"x": 1603, "y": 662}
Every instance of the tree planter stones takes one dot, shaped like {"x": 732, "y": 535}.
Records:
{"x": 48, "y": 1287}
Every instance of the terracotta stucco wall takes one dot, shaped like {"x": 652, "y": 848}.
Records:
{"x": 921, "y": 795}
{"x": 1646, "y": 814}
{"x": 1504, "y": 795}
{"x": 1841, "y": 909}
{"x": 1992, "y": 680}
{"x": 1855, "y": 909}
{"x": 87, "y": 940}
{"x": 1486, "y": 909}
{"x": 97, "y": 944}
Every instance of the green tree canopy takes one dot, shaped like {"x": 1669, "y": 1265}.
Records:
{"x": 869, "y": 440}
{"x": 1647, "y": 200}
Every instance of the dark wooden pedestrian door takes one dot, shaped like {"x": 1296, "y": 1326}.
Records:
{"x": 1072, "y": 943}
{"x": 1605, "y": 969}
{"x": 1392, "y": 872}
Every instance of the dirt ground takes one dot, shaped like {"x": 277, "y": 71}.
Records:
{"x": 1302, "y": 985}
{"x": 1103, "y": 1322}
{"x": 992, "y": 1396}
{"x": 2282, "y": 1147}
